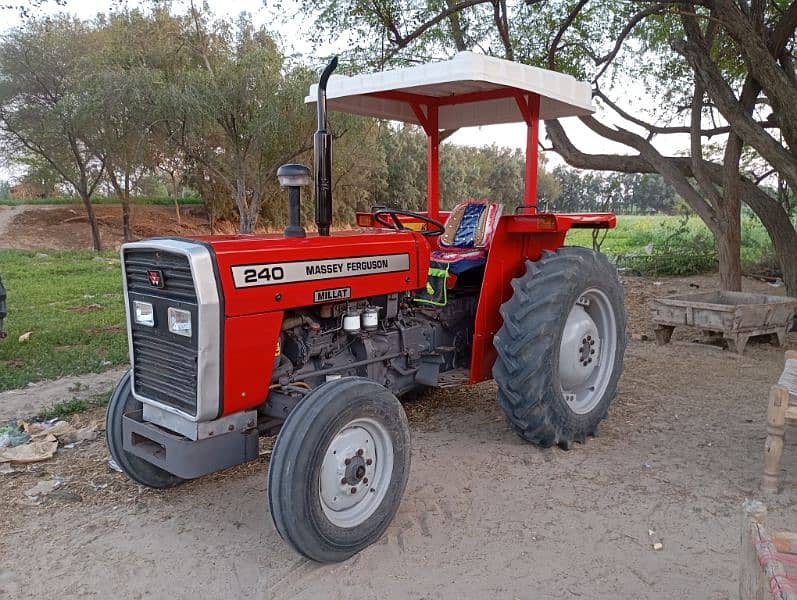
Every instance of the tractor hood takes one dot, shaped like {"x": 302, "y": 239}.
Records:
{"x": 262, "y": 273}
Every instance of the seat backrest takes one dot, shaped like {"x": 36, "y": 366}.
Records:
{"x": 471, "y": 224}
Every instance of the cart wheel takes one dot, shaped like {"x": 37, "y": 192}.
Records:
{"x": 135, "y": 468}
{"x": 339, "y": 468}
{"x": 560, "y": 349}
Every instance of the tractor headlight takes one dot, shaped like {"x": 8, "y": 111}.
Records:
{"x": 143, "y": 314}
{"x": 179, "y": 321}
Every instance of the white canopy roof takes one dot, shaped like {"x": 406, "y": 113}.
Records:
{"x": 560, "y": 95}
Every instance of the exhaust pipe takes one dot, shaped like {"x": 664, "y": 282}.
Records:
{"x": 322, "y": 157}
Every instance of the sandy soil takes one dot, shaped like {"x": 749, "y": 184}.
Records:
{"x": 484, "y": 515}
{"x": 65, "y": 227}
{"x": 30, "y": 401}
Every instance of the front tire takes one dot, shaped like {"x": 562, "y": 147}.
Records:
{"x": 137, "y": 469}
{"x": 560, "y": 349}
{"x": 339, "y": 468}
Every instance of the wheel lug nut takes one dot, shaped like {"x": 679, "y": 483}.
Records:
{"x": 365, "y": 480}
{"x": 347, "y": 461}
{"x": 592, "y": 342}
{"x": 360, "y": 452}
{"x": 354, "y": 490}
{"x": 344, "y": 481}
{"x": 368, "y": 461}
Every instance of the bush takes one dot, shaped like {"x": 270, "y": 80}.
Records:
{"x": 668, "y": 245}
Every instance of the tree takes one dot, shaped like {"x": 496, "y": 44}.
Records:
{"x": 241, "y": 114}
{"x": 620, "y": 192}
{"x": 42, "y": 66}
{"x": 492, "y": 172}
{"x": 706, "y": 59}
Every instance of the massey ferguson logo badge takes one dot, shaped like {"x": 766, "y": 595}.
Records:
{"x": 155, "y": 278}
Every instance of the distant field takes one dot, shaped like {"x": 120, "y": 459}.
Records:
{"x": 71, "y": 302}
{"x": 687, "y": 242}
{"x": 98, "y": 200}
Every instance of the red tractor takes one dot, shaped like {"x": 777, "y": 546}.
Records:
{"x": 316, "y": 335}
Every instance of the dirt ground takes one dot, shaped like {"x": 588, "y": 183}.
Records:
{"x": 65, "y": 227}
{"x": 484, "y": 515}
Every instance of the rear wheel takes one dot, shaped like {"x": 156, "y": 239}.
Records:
{"x": 339, "y": 468}
{"x": 560, "y": 349}
{"x": 137, "y": 469}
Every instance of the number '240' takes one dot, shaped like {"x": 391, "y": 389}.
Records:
{"x": 266, "y": 274}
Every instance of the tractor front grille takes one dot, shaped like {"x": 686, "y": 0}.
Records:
{"x": 164, "y": 364}
{"x": 164, "y": 371}
{"x": 178, "y": 284}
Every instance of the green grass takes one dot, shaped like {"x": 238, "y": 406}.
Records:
{"x": 65, "y": 408}
{"x": 162, "y": 201}
{"x": 678, "y": 246}
{"x": 71, "y": 302}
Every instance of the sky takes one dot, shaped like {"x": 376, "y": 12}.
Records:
{"x": 289, "y": 30}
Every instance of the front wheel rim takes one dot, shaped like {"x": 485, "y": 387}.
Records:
{"x": 587, "y": 351}
{"x": 356, "y": 472}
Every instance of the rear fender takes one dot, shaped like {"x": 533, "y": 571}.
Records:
{"x": 517, "y": 238}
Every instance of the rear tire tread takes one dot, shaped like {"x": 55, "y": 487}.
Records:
{"x": 529, "y": 338}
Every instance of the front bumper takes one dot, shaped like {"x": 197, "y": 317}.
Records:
{"x": 183, "y": 457}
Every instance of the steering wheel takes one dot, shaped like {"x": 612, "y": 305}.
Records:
{"x": 381, "y": 214}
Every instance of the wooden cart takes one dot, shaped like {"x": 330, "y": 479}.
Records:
{"x": 736, "y": 315}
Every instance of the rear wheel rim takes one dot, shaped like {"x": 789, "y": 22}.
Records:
{"x": 356, "y": 472}
{"x": 587, "y": 351}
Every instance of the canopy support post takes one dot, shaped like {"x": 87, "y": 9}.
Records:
{"x": 529, "y": 105}
{"x": 429, "y": 122}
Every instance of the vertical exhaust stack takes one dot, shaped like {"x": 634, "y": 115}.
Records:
{"x": 322, "y": 157}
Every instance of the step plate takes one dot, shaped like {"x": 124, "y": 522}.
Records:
{"x": 453, "y": 378}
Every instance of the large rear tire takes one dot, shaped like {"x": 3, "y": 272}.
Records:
{"x": 137, "y": 469}
{"x": 339, "y": 468}
{"x": 560, "y": 349}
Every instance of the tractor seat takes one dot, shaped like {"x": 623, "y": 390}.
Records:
{"x": 468, "y": 232}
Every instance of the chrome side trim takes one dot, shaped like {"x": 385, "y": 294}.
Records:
{"x": 208, "y": 328}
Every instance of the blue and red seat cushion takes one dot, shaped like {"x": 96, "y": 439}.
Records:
{"x": 469, "y": 230}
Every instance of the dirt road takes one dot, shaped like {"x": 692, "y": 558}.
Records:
{"x": 7, "y": 215}
{"x": 485, "y": 515}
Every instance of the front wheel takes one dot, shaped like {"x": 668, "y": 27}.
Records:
{"x": 137, "y": 469}
{"x": 339, "y": 468}
{"x": 560, "y": 349}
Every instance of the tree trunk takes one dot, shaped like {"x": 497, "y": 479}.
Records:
{"x": 247, "y": 213}
{"x": 728, "y": 251}
{"x": 780, "y": 230}
{"x": 95, "y": 231}
{"x": 126, "y": 233}
{"x": 248, "y": 221}
{"x": 177, "y": 212}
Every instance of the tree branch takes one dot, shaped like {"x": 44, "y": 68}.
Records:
{"x": 402, "y": 41}
{"x": 562, "y": 29}
{"x": 607, "y": 59}
{"x": 727, "y": 103}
